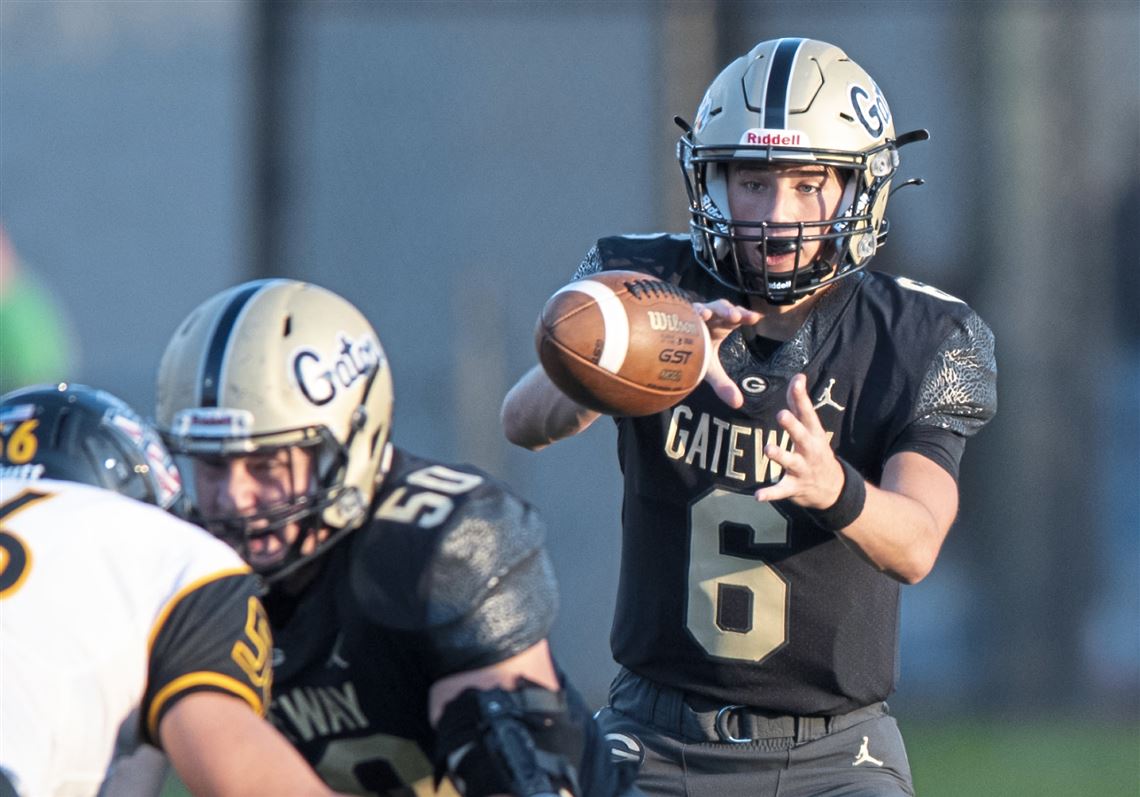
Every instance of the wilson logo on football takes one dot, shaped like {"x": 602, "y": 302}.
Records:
{"x": 319, "y": 378}
{"x": 670, "y": 322}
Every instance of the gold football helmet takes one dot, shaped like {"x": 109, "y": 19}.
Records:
{"x": 791, "y": 101}
{"x": 280, "y": 364}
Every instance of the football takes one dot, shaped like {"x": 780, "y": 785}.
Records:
{"x": 622, "y": 343}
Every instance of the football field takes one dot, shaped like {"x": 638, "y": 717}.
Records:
{"x": 1054, "y": 758}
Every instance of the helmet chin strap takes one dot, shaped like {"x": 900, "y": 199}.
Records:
{"x": 817, "y": 271}
{"x": 802, "y": 280}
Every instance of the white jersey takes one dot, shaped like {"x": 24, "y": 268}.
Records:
{"x": 110, "y": 610}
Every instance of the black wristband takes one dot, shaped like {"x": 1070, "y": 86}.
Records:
{"x": 849, "y": 504}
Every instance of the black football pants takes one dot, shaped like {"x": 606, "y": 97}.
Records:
{"x": 681, "y": 751}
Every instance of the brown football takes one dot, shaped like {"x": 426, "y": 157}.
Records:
{"x": 622, "y": 343}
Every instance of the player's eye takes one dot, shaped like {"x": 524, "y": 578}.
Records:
{"x": 267, "y": 469}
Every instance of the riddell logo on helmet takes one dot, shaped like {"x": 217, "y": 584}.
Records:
{"x": 775, "y": 138}
{"x": 212, "y": 422}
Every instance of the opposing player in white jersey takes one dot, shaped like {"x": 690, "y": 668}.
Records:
{"x": 122, "y": 625}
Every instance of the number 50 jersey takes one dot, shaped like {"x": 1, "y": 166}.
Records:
{"x": 111, "y": 610}
{"x": 449, "y": 574}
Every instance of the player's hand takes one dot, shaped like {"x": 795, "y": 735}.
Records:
{"x": 813, "y": 477}
{"x": 722, "y": 317}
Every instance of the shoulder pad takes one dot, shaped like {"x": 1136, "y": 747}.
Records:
{"x": 958, "y": 371}
{"x": 661, "y": 254}
{"x": 667, "y": 256}
{"x": 959, "y": 390}
{"x": 442, "y": 539}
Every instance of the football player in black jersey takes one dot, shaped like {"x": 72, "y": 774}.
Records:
{"x": 409, "y": 600}
{"x": 771, "y": 515}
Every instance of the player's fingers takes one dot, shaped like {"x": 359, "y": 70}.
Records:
{"x": 719, "y": 306}
{"x": 725, "y": 389}
{"x": 809, "y": 444}
{"x": 791, "y": 462}
{"x": 719, "y": 327}
{"x": 724, "y": 312}
{"x": 709, "y": 310}
{"x": 795, "y": 428}
{"x": 800, "y": 403}
{"x": 719, "y": 380}
{"x": 784, "y": 488}
{"x": 730, "y": 394}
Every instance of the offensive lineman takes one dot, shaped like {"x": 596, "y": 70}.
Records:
{"x": 770, "y": 516}
{"x": 121, "y": 624}
{"x": 409, "y": 600}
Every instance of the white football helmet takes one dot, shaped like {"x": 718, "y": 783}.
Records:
{"x": 791, "y": 101}
{"x": 274, "y": 364}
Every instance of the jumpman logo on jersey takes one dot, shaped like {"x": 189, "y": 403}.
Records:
{"x": 825, "y": 399}
{"x": 865, "y": 757}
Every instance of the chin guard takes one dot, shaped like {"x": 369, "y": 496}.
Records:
{"x": 529, "y": 742}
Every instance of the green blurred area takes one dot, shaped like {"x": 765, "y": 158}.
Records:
{"x": 1059, "y": 757}
{"x": 977, "y": 758}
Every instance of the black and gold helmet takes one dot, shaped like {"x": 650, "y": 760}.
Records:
{"x": 77, "y": 433}
{"x": 279, "y": 364}
{"x": 791, "y": 101}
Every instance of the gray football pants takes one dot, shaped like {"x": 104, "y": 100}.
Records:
{"x": 685, "y": 749}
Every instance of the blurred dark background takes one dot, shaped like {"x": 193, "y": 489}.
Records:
{"x": 445, "y": 165}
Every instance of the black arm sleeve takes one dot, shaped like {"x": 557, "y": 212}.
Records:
{"x": 942, "y": 446}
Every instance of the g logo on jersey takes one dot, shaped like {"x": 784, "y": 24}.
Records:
{"x": 754, "y": 385}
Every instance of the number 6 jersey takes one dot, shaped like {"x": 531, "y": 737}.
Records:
{"x": 751, "y": 603}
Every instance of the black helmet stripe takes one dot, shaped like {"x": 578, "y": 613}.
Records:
{"x": 219, "y": 339}
{"x": 779, "y": 80}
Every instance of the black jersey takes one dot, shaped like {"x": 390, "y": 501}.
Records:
{"x": 748, "y": 602}
{"x": 449, "y": 575}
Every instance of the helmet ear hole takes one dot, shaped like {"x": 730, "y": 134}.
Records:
{"x": 59, "y": 430}
{"x": 359, "y": 419}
